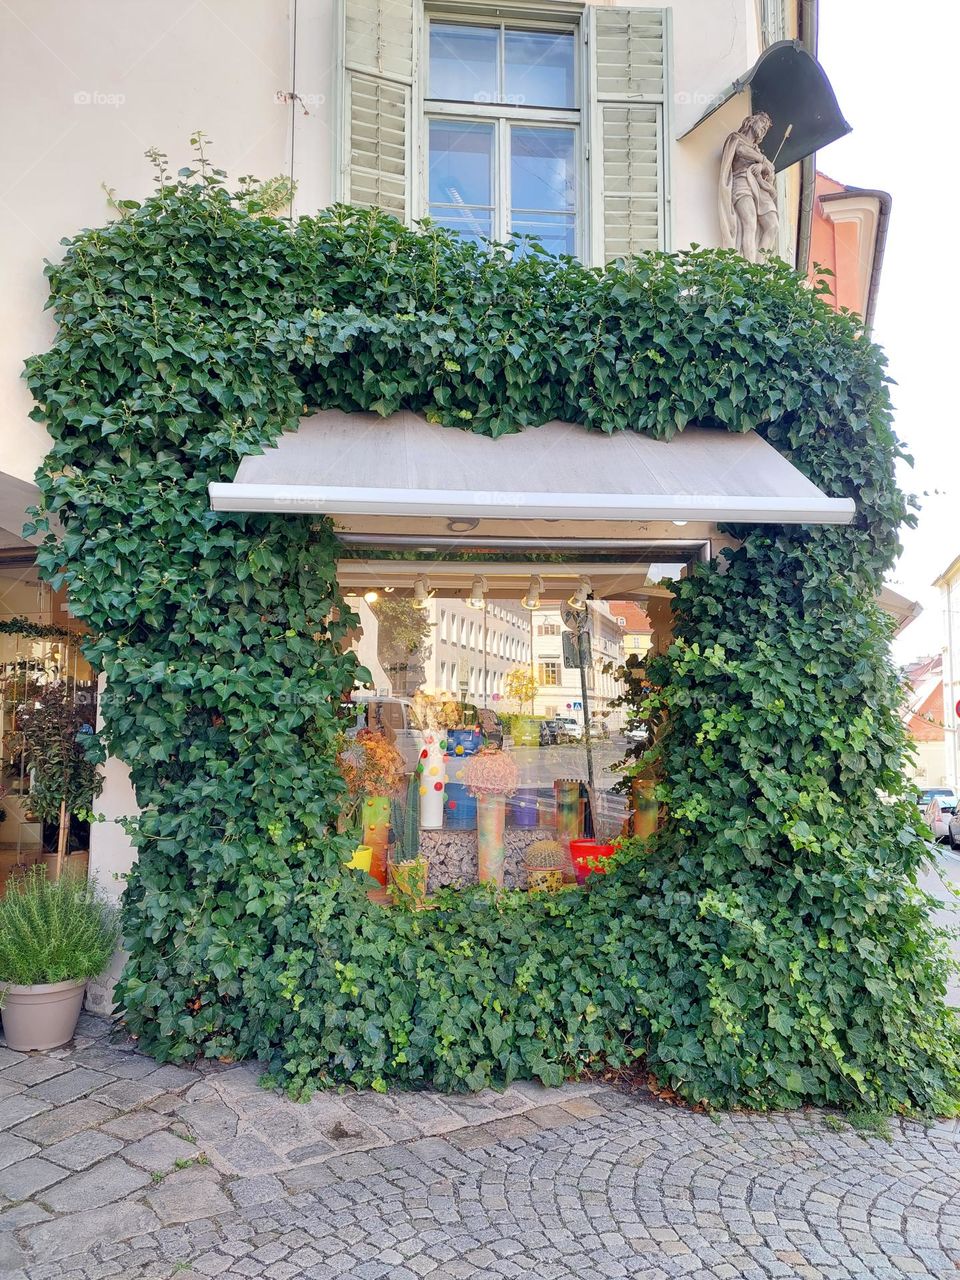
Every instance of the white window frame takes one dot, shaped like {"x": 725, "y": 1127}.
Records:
{"x": 516, "y": 16}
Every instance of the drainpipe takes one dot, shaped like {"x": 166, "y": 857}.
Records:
{"x": 807, "y": 21}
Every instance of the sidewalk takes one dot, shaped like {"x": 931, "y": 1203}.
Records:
{"x": 111, "y": 1166}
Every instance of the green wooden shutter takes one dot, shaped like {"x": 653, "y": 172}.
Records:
{"x": 377, "y": 52}
{"x": 628, "y": 83}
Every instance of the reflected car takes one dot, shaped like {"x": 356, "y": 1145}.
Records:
{"x": 549, "y": 733}
{"x": 953, "y": 829}
{"x": 569, "y": 729}
{"x": 636, "y": 733}
{"x": 938, "y": 805}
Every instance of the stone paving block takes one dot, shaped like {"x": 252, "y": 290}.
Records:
{"x": 114, "y": 1062}
{"x": 186, "y": 1197}
{"x": 83, "y": 1149}
{"x": 110, "y": 1180}
{"x": 34, "y": 1068}
{"x": 79, "y": 1233}
{"x": 252, "y": 1191}
{"x": 245, "y": 1154}
{"x": 12, "y": 1257}
{"x": 9, "y": 1056}
{"x": 124, "y": 1095}
{"x": 19, "y": 1107}
{"x": 24, "y": 1179}
{"x": 22, "y": 1215}
{"x": 13, "y": 1148}
{"x": 62, "y": 1122}
{"x": 210, "y": 1121}
{"x": 71, "y": 1085}
{"x": 159, "y": 1150}
{"x": 135, "y": 1124}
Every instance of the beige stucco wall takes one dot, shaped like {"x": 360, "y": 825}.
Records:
{"x": 88, "y": 87}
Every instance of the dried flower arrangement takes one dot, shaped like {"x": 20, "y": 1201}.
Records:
{"x": 491, "y": 773}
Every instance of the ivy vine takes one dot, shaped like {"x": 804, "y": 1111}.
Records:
{"x": 769, "y": 948}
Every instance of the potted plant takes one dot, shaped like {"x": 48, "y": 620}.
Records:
{"x": 373, "y": 770}
{"x": 54, "y": 936}
{"x": 544, "y": 861}
{"x": 409, "y": 869}
{"x": 491, "y": 776}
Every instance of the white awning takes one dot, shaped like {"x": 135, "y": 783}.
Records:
{"x": 360, "y": 464}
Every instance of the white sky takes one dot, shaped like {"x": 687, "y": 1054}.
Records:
{"x": 896, "y": 79}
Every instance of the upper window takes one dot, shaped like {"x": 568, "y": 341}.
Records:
{"x": 503, "y": 133}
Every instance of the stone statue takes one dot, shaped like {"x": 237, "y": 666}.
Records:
{"x": 749, "y": 221}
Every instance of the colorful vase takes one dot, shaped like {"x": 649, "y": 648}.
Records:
{"x": 491, "y": 850}
{"x": 522, "y": 808}
{"x": 376, "y": 834}
{"x": 432, "y": 779}
{"x": 646, "y": 808}
{"x": 569, "y": 808}
{"x": 460, "y": 807}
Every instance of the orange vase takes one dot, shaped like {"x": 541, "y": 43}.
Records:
{"x": 376, "y": 832}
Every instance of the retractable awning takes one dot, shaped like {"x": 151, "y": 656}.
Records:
{"x": 360, "y": 464}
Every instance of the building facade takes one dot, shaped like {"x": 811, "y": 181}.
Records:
{"x": 923, "y": 716}
{"x": 598, "y": 130}
{"x": 949, "y": 584}
{"x": 557, "y": 672}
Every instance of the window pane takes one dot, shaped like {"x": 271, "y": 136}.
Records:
{"x": 461, "y": 176}
{"x": 557, "y": 233}
{"x": 542, "y": 169}
{"x": 543, "y": 179}
{"x": 540, "y": 68}
{"x": 463, "y": 62}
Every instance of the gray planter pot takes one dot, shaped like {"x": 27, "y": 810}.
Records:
{"x": 43, "y": 1016}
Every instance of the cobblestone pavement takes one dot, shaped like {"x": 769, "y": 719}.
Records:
{"x": 111, "y": 1166}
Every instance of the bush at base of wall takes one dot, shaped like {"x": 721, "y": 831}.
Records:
{"x": 770, "y": 948}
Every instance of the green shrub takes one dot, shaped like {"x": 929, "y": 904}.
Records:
{"x": 54, "y": 930}
{"x": 769, "y": 948}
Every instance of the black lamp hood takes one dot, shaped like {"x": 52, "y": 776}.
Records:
{"x": 789, "y": 84}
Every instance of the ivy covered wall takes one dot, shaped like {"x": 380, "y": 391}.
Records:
{"x": 770, "y": 947}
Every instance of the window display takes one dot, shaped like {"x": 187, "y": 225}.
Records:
{"x": 508, "y": 717}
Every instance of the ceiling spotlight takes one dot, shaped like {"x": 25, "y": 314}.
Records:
{"x": 371, "y": 597}
{"x": 421, "y": 592}
{"x": 478, "y": 589}
{"x": 579, "y": 598}
{"x": 679, "y": 523}
{"x": 532, "y": 599}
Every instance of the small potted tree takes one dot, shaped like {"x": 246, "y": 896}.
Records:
{"x": 54, "y": 936}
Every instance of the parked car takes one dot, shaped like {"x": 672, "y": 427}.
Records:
{"x": 395, "y": 718}
{"x": 491, "y": 726}
{"x": 636, "y": 732}
{"x": 938, "y": 805}
{"x": 569, "y": 728}
{"x": 953, "y": 829}
{"x": 549, "y": 733}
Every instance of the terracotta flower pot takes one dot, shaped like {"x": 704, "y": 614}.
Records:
{"x": 43, "y": 1016}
